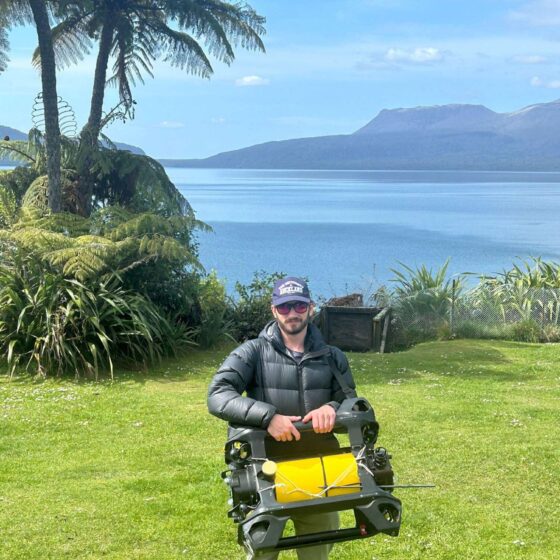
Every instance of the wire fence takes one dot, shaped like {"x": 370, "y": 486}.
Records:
{"x": 521, "y": 313}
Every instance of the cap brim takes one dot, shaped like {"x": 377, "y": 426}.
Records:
{"x": 286, "y": 299}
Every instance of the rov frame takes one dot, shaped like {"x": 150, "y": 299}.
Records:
{"x": 262, "y": 518}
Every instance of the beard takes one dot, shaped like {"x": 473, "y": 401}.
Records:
{"x": 294, "y": 325}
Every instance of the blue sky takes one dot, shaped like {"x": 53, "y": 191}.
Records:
{"x": 330, "y": 67}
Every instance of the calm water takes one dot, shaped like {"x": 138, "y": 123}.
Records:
{"x": 346, "y": 230}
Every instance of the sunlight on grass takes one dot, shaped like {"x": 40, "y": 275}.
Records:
{"x": 130, "y": 468}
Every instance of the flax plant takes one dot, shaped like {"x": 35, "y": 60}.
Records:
{"x": 54, "y": 325}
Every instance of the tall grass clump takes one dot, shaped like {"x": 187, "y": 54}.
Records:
{"x": 528, "y": 291}
{"x": 54, "y": 325}
{"x": 522, "y": 304}
{"x": 524, "y": 301}
{"x": 421, "y": 300}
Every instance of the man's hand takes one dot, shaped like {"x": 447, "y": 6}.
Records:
{"x": 282, "y": 429}
{"x": 323, "y": 419}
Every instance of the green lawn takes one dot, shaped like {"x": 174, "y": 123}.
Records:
{"x": 131, "y": 468}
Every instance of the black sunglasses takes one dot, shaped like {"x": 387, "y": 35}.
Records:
{"x": 297, "y": 306}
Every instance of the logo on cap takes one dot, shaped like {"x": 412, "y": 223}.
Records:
{"x": 291, "y": 287}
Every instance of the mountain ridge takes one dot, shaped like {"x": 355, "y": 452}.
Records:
{"x": 455, "y": 136}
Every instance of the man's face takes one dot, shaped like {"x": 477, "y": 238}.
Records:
{"x": 293, "y": 322}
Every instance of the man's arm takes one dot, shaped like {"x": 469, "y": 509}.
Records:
{"x": 225, "y": 394}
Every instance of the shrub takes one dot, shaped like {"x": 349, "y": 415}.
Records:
{"x": 129, "y": 273}
{"x": 214, "y": 325}
{"x": 479, "y": 329}
{"x": 18, "y": 180}
{"x": 526, "y": 331}
{"x": 58, "y": 325}
{"x": 405, "y": 334}
{"x": 550, "y": 333}
{"x": 251, "y": 306}
{"x": 124, "y": 246}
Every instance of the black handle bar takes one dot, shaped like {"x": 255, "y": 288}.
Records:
{"x": 352, "y": 411}
{"x": 307, "y": 427}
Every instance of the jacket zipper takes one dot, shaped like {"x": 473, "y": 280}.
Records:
{"x": 305, "y": 357}
{"x": 300, "y": 382}
{"x": 308, "y": 356}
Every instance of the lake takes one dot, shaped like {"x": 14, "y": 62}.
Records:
{"x": 345, "y": 230}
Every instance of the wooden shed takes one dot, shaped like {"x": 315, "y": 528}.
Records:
{"x": 357, "y": 329}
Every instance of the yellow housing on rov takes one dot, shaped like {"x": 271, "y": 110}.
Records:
{"x": 317, "y": 477}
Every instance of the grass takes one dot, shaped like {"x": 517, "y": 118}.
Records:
{"x": 130, "y": 469}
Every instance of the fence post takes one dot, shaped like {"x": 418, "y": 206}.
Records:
{"x": 452, "y": 310}
{"x": 385, "y": 331}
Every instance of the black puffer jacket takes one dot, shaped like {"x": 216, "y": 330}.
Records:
{"x": 274, "y": 382}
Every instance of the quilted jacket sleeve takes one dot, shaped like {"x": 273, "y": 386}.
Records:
{"x": 225, "y": 394}
{"x": 341, "y": 362}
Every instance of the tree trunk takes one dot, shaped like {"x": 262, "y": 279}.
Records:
{"x": 90, "y": 132}
{"x": 89, "y": 137}
{"x": 50, "y": 102}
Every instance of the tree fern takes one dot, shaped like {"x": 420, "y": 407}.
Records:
{"x": 75, "y": 246}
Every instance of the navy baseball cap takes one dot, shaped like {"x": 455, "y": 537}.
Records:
{"x": 290, "y": 288}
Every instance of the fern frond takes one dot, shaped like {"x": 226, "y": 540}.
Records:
{"x": 35, "y": 239}
{"x": 84, "y": 265}
{"x": 8, "y": 207}
{"x": 160, "y": 246}
{"x": 184, "y": 52}
{"x": 18, "y": 150}
{"x": 142, "y": 225}
{"x": 70, "y": 42}
{"x": 72, "y": 225}
{"x": 36, "y": 195}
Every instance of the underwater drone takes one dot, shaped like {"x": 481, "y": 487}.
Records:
{"x": 265, "y": 494}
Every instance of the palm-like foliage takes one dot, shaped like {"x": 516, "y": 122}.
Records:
{"x": 136, "y": 33}
{"x": 4, "y": 44}
{"x": 423, "y": 293}
{"x": 8, "y": 207}
{"x": 136, "y": 182}
{"x": 12, "y": 13}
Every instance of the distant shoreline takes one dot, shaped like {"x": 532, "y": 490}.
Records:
{"x": 187, "y": 164}
{"x": 547, "y": 176}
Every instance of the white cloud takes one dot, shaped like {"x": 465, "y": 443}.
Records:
{"x": 382, "y": 3}
{"x": 420, "y": 55}
{"x": 528, "y": 59}
{"x": 538, "y": 82}
{"x": 540, "y": 13}
{"x": 217, "y": 120}
{"x": 171, "y": 124}
{"x": 247, "y": 81}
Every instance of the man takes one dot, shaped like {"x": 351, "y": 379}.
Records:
{"x": 287, "y": 375}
